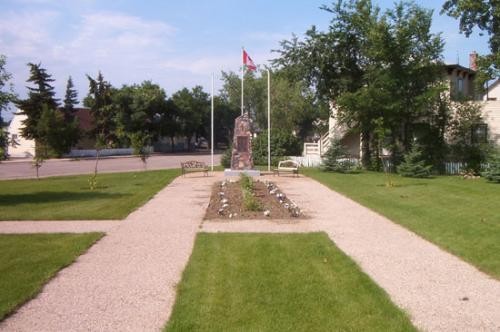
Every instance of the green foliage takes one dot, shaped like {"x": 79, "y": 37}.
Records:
{"x": 373, "y": 65}
{"x": 40, "y": 97}
{"x": 283, "y": 144}
{"x": 193, "y": 111}
{"x": 226, "y": 157}
{"x": 463, "y": 146}
{"x": 250, "y": 203}
{"x": 493, "y": 171}
{"x": 100, "y": 101}
{"x": 28, "y": 261}
{"x": 336, "y": 159}
{"x": 55, "y": 134}
{"x": 413, "y": 165}
{"x": 70, "y": 100}
{"x": 459, "y": 216}
{"x": 6, "y": 95}
{"x": 484, "y": 15}
{"x": 278, "y": 282}
{"x": 140, "y": 144}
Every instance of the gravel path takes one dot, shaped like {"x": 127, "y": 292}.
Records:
{"x": 126, "y": 281}
{"x": 73, "y": 226}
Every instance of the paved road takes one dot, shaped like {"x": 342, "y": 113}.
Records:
{"x": 18, "y": 169}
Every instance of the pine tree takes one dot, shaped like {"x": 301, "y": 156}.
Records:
{"x": 336, "y": 158}
{"x": 414, "y": 165}
{"x": 493, "y": 172}
{"x": 41, "y": 94}
{"x": 70, "y": 100}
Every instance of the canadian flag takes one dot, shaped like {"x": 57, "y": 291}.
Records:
{"x": 248, "y": 62}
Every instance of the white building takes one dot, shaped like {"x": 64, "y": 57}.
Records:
{"x": 19, "y": 147}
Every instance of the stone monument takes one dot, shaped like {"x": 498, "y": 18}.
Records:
{"x": 241, "y": 156}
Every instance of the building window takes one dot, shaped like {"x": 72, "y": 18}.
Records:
{"x": 479, "y": 133}
{"x": 460, "y": 85}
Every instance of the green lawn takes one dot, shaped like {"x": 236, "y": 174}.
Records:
{"x": 27, "y": 262}
{"x": 278, "y": 282}
{"x": 69, "y": 197}
{"x": 461, "y": 216}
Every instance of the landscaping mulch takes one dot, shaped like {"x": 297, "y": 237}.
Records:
{"x": 235, "y": 210}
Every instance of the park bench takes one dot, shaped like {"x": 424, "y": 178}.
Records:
{"x": 194, "y": 166}
{"x": 287, "y": 166}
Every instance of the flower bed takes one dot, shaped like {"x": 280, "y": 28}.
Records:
{"x": 250, "y": 199}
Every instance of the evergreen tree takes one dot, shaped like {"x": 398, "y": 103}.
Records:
{"x": 336, "y": 158}
{"x": 493, "y": 172}
{"x": 414, "y": 165}
{"x": 40, "y": 96}
{"x": 70, "y": 100}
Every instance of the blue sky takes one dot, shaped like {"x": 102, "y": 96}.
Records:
{"x": 173, "y": 43}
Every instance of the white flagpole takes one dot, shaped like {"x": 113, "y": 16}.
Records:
{"x": 212, "y": 123}
{"x": 268, "y": 121}
{"x": 242, "y": 75}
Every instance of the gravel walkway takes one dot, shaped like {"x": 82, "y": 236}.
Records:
{"x": 126, "y": 281}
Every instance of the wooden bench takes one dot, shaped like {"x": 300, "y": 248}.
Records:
{"x": 194, "y": 166}
{"x": 287, "y": 166}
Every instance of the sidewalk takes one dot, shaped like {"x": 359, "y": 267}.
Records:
{"x": 127, "y": 280}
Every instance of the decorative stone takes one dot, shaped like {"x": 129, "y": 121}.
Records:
{"x": 267, "y": 213}
{"x": 225, "y": 205}
{"x": 220, "y": 211}
{"x": 241, "y": 156}
{"x": 224, "y": 200}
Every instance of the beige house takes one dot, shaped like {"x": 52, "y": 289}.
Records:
{"x": 461, "y": 84}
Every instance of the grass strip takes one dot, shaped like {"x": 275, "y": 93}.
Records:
{"x": 70, "y": 198}
{"x": 28, "y": 261}
{"x": 278, "y": 282}
{"x": 461, "y": 216}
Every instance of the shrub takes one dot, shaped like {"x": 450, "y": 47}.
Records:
{"x": 492, "y": 173}
{"x": 250, "y": 203}
{"x": 283, "y": 144}
{"x": 226, "y": 157}
{"x": 336, "y": 159}
{"x": 414, "y": 165}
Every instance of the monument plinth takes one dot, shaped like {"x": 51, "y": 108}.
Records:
{"x": 241, "y": 156}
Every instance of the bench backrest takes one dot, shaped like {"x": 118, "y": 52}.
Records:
{"x": 193, "y": 164}
{"x": 288, "y": 163}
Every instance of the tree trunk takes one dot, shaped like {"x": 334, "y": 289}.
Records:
{"x": 365, "y": 149}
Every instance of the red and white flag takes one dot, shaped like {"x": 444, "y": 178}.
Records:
{"x": 248, "y": 62}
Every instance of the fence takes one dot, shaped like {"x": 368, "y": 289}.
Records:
{"x": 103, "y": 153}
{"x": 450, "y": 167}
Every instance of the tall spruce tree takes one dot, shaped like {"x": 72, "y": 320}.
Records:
{"x": 39, "y": 96}
{"x": 70, "y": 100}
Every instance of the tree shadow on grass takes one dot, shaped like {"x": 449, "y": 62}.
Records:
{"x": 51, "y": 197}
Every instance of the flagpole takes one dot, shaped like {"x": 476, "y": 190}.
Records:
{"x": 212, "y": 124}
{"x": 242, "y": 76}
{"x": 268, "y": 120}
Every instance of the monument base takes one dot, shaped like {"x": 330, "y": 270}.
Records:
{"x": 238, "y": 172}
